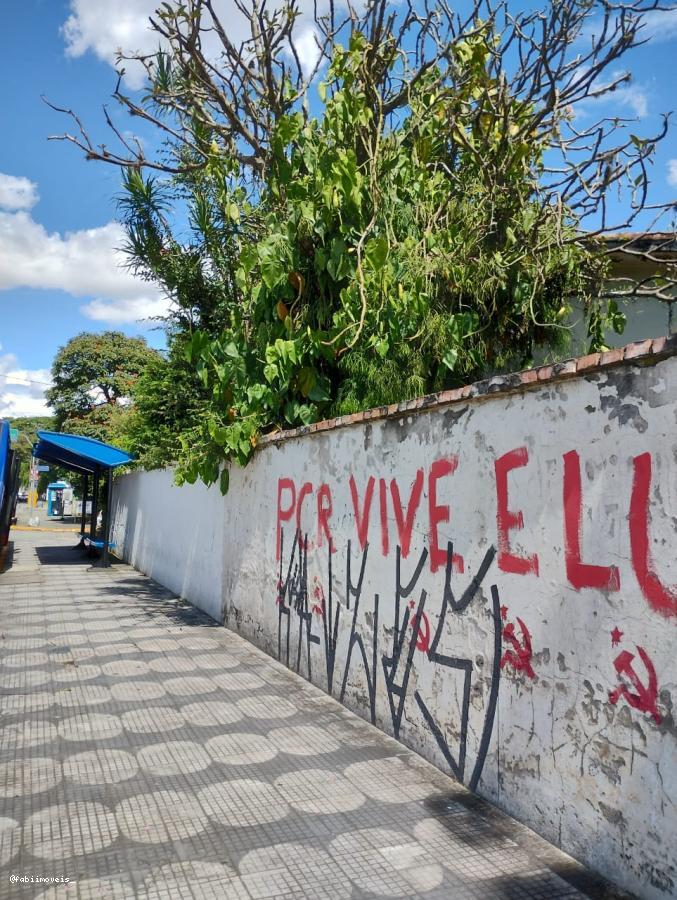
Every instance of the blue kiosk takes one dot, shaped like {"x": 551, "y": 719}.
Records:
{"x": 55, "y": 498}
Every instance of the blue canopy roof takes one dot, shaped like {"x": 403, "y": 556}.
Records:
{"x": 81, "y": 454}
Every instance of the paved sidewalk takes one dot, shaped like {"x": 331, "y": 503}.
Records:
{"x": 147, "y": 752}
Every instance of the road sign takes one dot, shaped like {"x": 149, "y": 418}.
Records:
{"x": 43, "y": 468}
{"x": 13, "y": 434}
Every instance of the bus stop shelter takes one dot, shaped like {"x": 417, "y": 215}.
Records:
{"x": 92, "y": 460}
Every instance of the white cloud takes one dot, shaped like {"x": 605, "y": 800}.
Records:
{"x": 17, "y": 192}
{"x": 80, "y": 262}
{"x": 87, "y": 263}
{"x": 672, "y": 172}
{"x": 13, "y": 405}
{"x": 308, "y": 49}
{"x": 117, "y": 311}
{"x": 104, "y": 28}
{"x": 22, "y": 390}
{"x": 633, "y": 98}
{"x": 627, "y": 100}
{"x": 659, "y": 25}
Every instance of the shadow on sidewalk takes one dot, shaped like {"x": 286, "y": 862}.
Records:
{"x": 488, "y": 822}
{"x": 6, "y": 557}
{"x": 66, "y": 555}
{"x": 153, "y": 599}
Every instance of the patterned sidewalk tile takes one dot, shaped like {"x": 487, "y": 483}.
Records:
{"x": 146, "y": 752}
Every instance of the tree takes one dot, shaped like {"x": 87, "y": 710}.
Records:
{"x": 169, "y": 403}
{"x": 422, "y": 221}
{"x": 28, "y": 427}
{"x": 93, "y": 378}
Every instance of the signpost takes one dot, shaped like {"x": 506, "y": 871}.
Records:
{"x": 33, "y": 484}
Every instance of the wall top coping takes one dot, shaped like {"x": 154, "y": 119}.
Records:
{"x": 642, "y": 353}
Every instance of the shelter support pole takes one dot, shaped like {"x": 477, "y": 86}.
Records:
{"x": 106, "y": 521}
{"x": 85, "y": 485}
{"x": 95, "y": 504}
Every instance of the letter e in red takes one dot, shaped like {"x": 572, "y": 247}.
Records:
{"x": 507, "y": 520}
{"x": 440, "y": 513}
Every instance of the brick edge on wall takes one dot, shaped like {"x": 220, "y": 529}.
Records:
{"x": 641, "y": 353}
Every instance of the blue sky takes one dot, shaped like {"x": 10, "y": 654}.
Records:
{"x": 60, "y": 266}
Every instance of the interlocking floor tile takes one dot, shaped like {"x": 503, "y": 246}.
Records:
{"x": 145, "y": 752}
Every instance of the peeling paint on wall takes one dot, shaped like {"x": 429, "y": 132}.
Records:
{"x": 494, "y": 584}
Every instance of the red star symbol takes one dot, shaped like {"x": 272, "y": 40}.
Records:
{"x": 504, "y": 612}
{"x": 411, "y": 604}
{"x": 616, "y": 636}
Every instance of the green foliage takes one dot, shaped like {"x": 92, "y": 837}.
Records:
{"x": 169, "y": 402}
{"x": 28, "y": 427}
{"x": 58, "y": 473}
{"x": 93, "y": 378}
{"x": 374, "y": 261}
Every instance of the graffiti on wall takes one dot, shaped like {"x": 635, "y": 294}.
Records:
{"x": 564, "y": 673}
{"x": 390, "y": 648}
{"x": 295, "y": 501}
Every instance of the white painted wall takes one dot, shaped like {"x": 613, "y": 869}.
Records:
{"x": 596, "y": 777}
{"x": 174, "y": 534}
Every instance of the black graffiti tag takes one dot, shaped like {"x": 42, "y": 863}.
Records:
{"x": 449, "y": 602}
{"x": 355, "y": 591}
{"x": 292, "y": 593}
{"x": 391, "y": 663}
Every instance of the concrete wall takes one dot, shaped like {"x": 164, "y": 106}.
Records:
{"x": 173, "y": 534}
{"x": 492, "y": 580}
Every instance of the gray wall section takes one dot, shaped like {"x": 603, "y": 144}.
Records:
{"x": 539, "y": 667}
